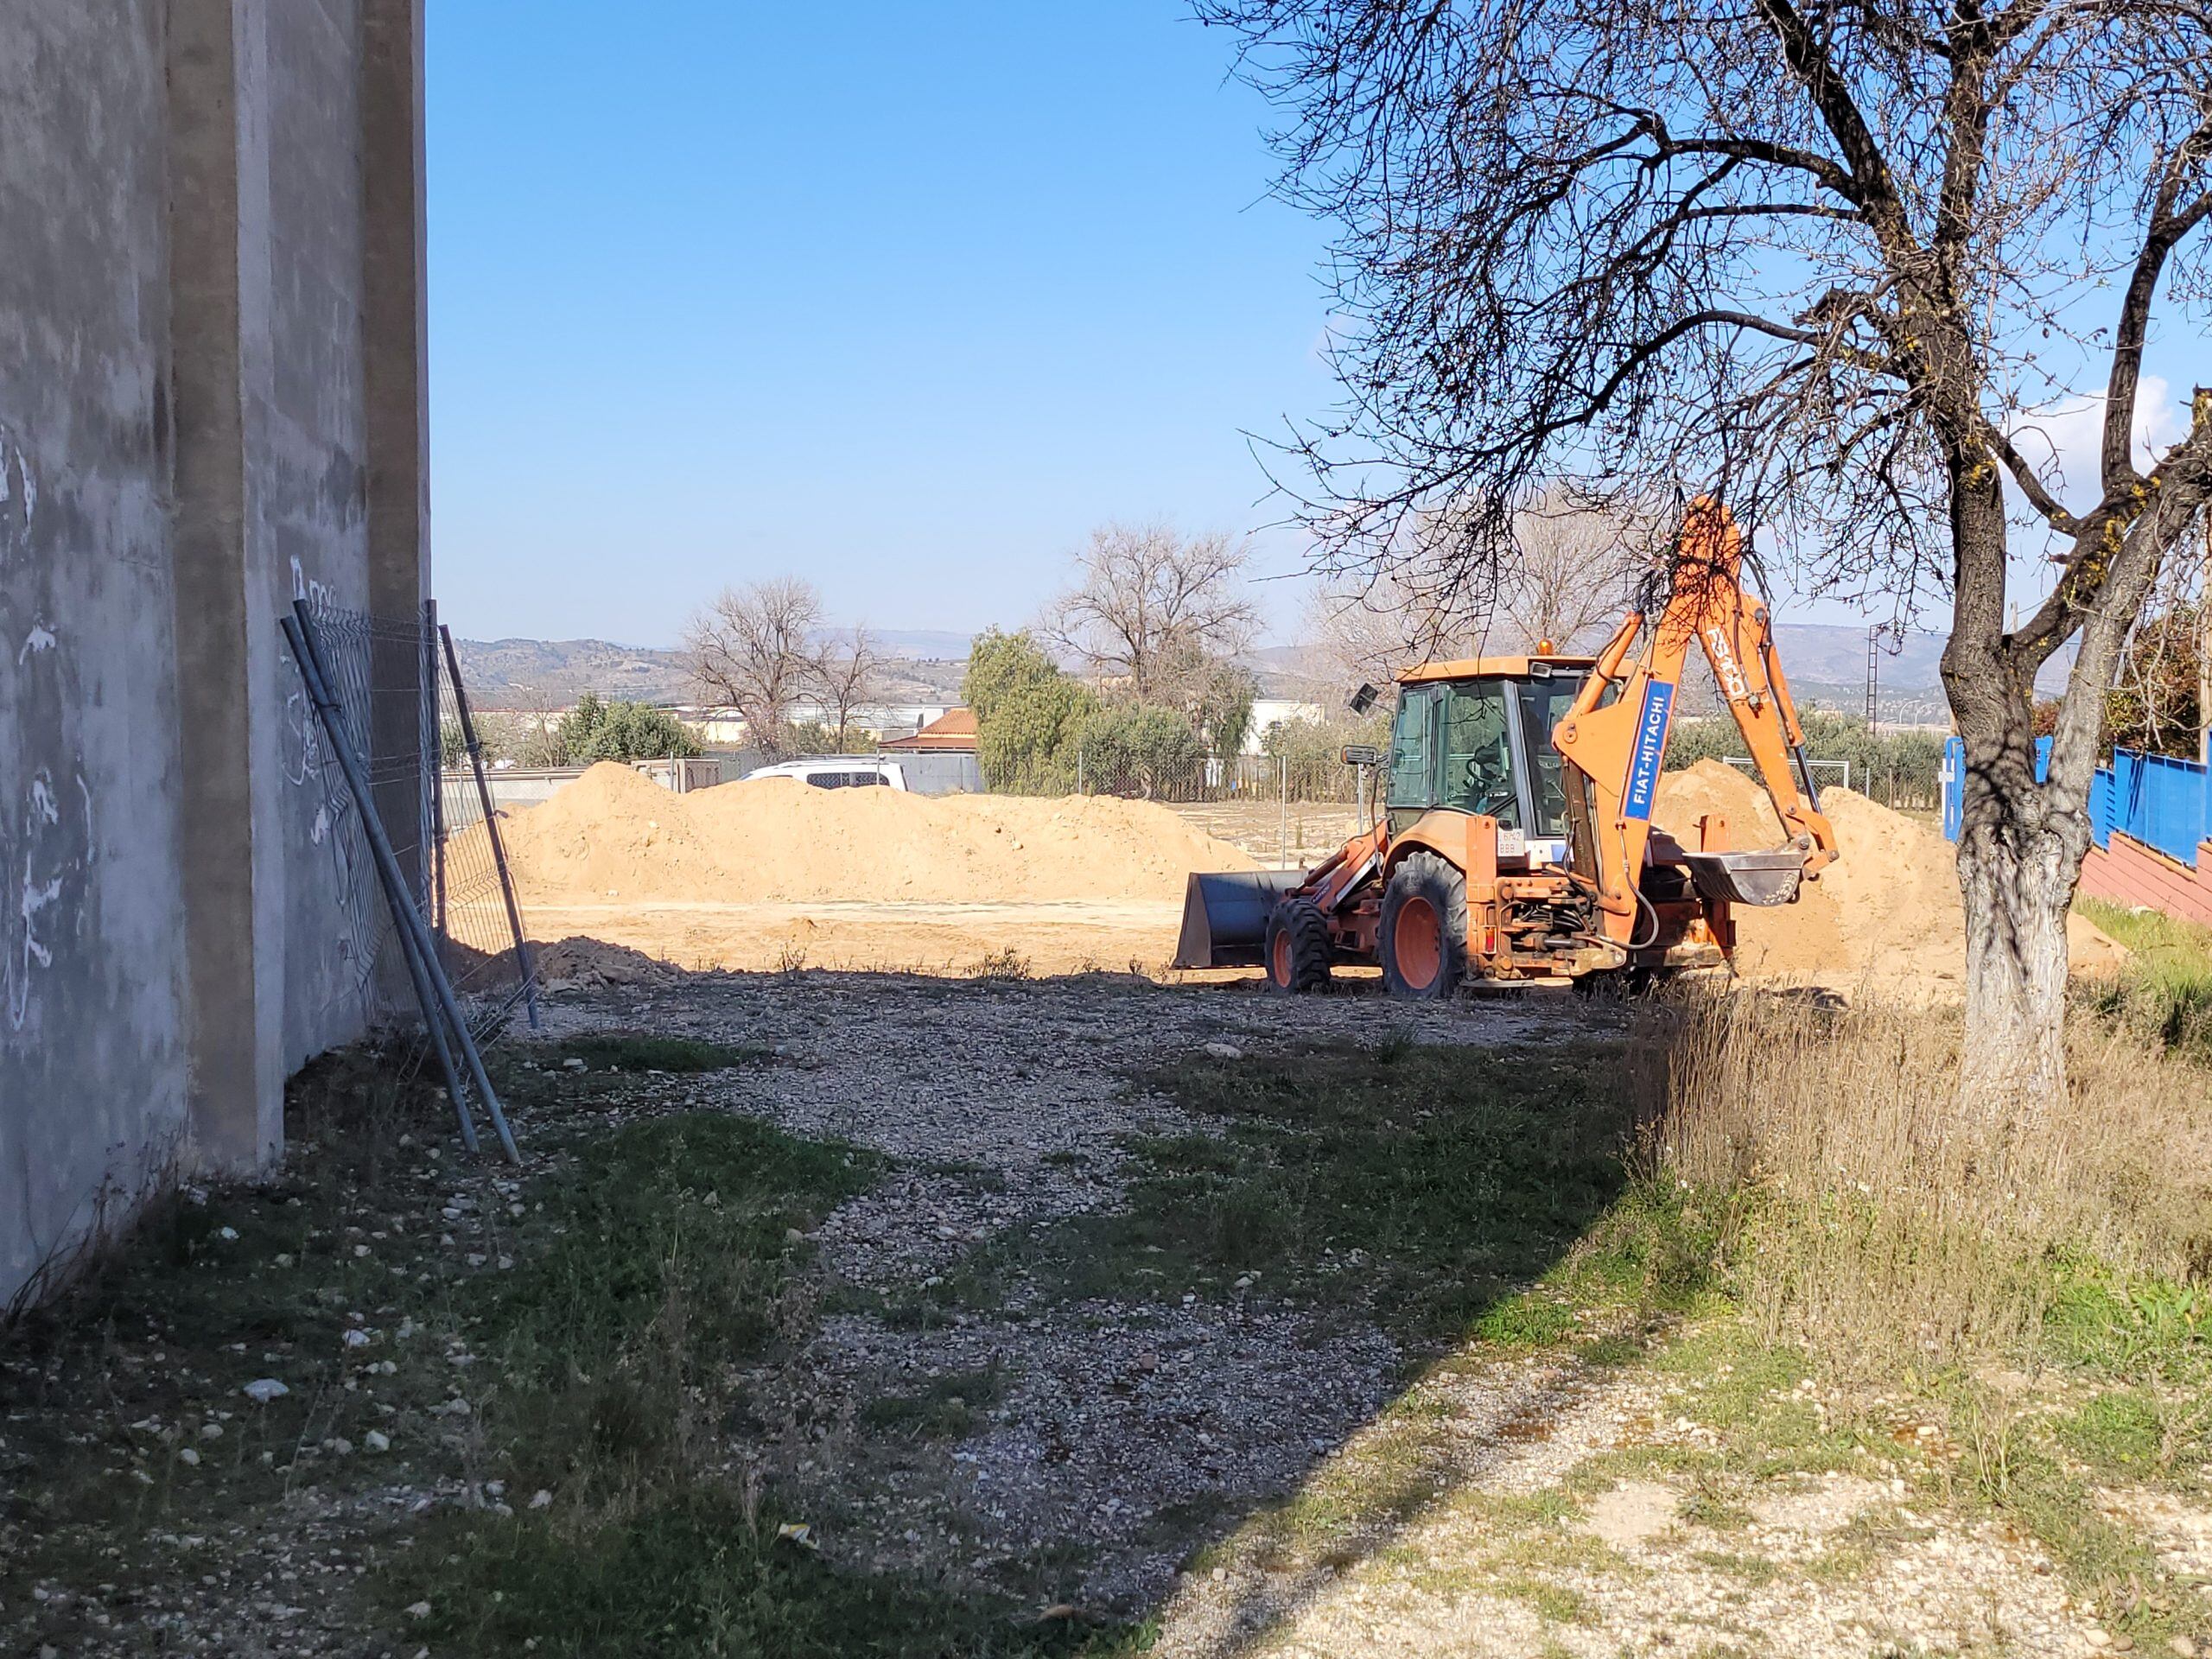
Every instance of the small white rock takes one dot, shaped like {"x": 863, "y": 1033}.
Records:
{"x": 262, "y": 1390}
{"x": 189, "y": 1455}
{"x": 418, "y": 1609}
{"x": 1224, "y": 1050}
{"x": 377, "y": 1440}
{"x": 541, "y": 1499}
{"x": 356, "y": 1338}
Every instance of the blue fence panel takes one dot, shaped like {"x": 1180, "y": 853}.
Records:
{"x": 2163, "y": 803}
{"x": 1954, "y": 779}
{"x": 2153, "y": 798}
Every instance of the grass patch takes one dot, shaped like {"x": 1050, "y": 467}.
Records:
{"x": 668, "y": 1258}
{"x": 944, "y": 1408}
{"x": 1426, "y": 1182}
{"x": 663, "y": 1257}
{"x": 105, "y": 1391}
{"x": 635, "y": 1050}
{"x": 2164, "y": 989}
{"x": 1864, "y": 1221}
{"x": 697, "y": 1572}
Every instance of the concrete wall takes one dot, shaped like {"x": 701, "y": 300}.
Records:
{"x": 210, "y": 400}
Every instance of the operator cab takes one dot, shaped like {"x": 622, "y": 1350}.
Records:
{"x": 1475, "y": 736}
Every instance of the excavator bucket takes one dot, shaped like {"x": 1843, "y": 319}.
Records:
{"x": 1225, "y": 916}
{"x": 1749, "y": 878}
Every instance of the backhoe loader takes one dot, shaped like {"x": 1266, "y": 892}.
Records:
{"x": 1515, "y": 840}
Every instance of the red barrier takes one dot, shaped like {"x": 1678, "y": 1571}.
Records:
{"x": 2129, "y": 873}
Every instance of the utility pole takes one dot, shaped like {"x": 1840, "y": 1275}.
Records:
{"x": 1874, "y": 680}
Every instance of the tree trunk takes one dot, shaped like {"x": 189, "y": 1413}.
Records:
{"x": 2021, "y": 839}
{"x": 2017, "y": 880}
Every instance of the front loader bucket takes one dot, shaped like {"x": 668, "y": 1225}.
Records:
{"x": 1225, "y": 916}
{"x": 1748, "y": 878}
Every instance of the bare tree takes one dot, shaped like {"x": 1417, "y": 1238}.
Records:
{"x": 1570, "y": 571}
{"x": 753, "y": 648}
{"x": 1569, "y": 574}
{"x": 1152, "y": 608}
{"x": 847, "y": 672}
{"x": 1826, "y": 258}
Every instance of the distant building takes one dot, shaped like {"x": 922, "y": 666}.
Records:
{"x": 953, "y": 733}
{"x": 726, "y": 728}
{"x": 1277, "y": 711}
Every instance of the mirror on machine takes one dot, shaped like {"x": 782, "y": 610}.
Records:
{"x": 1361, "y": 755}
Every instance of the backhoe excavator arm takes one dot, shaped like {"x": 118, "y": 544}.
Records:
{"x": 1614, "y": 753}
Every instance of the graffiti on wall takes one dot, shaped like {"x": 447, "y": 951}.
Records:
{"x": 47, "y": 843}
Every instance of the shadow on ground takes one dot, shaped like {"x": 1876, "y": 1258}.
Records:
{"x": 834, "y": 1314}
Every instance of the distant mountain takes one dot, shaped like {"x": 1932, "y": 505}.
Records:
{"x": 1825, "y": 662}
{"x": 533, "y": 675}
{"x": 548, "y": 674}
{"x": 928, "y": 644}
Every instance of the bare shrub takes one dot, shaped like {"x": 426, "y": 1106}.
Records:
{"x": 1864, "y": 1223}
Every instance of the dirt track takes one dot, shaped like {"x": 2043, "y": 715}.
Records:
{"x": 1073, "y": 937}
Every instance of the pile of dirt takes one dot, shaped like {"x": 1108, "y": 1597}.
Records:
{"x": 1887, "y": 911}
{"x": 613, "y": 834}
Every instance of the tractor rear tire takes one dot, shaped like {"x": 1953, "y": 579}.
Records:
{"x": 1299, "y": 950}
{"x": 1423, "y": 937}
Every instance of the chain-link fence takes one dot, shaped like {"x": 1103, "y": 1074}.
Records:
{"x": 1283, "y": 809}
{"x": 397, "y": 685}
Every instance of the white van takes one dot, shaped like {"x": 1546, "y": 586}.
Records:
{"x": 838, "y": 771}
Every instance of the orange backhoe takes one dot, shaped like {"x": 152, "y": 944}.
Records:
{"x": 1516, "y": 842}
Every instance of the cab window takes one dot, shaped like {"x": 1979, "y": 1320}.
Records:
{"x": 1478, "y": 758}
{"x": 1412, "y": 771}
{"x": 1544, "y": 703}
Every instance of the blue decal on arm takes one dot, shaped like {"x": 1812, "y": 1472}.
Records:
{"x": 1650, "y": 750}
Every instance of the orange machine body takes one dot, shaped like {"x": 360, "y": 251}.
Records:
{"x": 1619, "y": 894}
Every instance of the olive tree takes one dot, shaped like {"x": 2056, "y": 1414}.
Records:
{"x": 1829, "y": 258}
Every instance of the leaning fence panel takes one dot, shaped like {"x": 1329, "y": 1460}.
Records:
{"x": 402, "y": 706}
{"x": 343, "y": 682}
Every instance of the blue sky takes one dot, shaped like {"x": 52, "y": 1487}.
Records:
{"x": 902, "y": 298}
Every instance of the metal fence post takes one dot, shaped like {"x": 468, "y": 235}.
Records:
{"x": 435, "y": 772}
{"x": 1283, "y": 793}
{"x": 468, "y": 737}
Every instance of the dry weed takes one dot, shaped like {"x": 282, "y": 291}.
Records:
{"x": 1869, "y": 1221}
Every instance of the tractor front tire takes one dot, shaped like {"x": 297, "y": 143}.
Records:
{"x": 1299, "y": 950}
{"x": 1423, "y": 937}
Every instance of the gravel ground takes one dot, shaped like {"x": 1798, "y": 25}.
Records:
{"x": 1122, "y": 1428}
{"x": 1151, "y": 1458}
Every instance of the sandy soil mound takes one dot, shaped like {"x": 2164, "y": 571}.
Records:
{"x": 614, "y": 834}
{"x": 1887, "y": 910}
